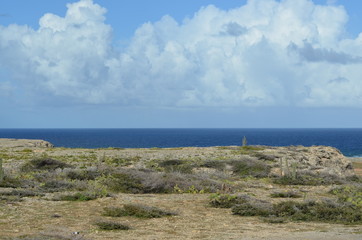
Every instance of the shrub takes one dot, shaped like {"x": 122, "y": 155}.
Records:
{"x": 123, "y": 182}
{"x": 79, "y": 196}
{"x": 146, "y": 181}
{"x": 265, "y": 157}
{"x": 136, "y": 210}
{"x": 273, "y": 219}
{"x": 176, "y": 165}
{"x": 309, "y": 179}
{"x": 349, "y": 193}
{"x": 22, "y": 193}
{"x": 250, "y": 167}
{"x": 43, "y": 164}
{"x": 227, "y": 200}
{"x": 83, "y": 174}
{"x": 255, "y": 208}
{"x": 10, "y": 182}
{"x": 324, "y": 211}
{"x": 56, "y": 186}
{"x": 109, "y": 225}
{"x": 216, "y": 164}
{"x": 286, "y": 194}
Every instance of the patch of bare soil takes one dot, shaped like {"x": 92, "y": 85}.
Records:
{"x": 195, "y": 220}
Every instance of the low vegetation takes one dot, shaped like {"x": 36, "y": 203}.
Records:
{"x": 136, "y": 210}
{"x": 110, "y": 225}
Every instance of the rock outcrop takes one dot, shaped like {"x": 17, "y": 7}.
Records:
{"x": 315, "y": 159}
{"x": 24, "y": 143}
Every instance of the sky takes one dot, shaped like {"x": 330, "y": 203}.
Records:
{"x": 181, "y": 64}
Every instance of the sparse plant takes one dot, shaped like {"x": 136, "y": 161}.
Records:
{"x": 286, "y": 194}
{"x": 110, "y": 225}
{"x": 79, "y": 196}
{"x": 227, "y": 200}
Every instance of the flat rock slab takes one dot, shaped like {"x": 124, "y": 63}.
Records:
{"x": 24, "y": 143}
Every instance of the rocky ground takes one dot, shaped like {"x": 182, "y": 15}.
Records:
{"x": 185, "y": 181}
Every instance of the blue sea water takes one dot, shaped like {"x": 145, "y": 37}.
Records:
{"x": 348, "y": 141}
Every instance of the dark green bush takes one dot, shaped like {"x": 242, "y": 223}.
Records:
{"x": 136, "y": 210}
{"x": 123, "y": 182}
{"x": 286, "y": 194}
{"x": 43, "y": 164}
{"x": 227, "y": 200}
{"x": 109, "y": 225}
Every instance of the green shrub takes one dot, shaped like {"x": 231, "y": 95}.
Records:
{"x": 324, "y": 211}
{"x": 79, "y": 196}
{"x": 286, "y": 194}
{"x": 176, "y": 165}
{"x": 11, "y": 182}
{"x": 123, "y": 182}
{"x": 250, "y": 167}
{"x": 83, "y": 174}
{"x": 136, "y": 210}
{"x": 273, "y": 219}
{"x": 255, "y": 208}
{"x": 349, "y": 193}
{"x": 308, "y": 179}
{"x": 43, "y": 164}
{"x": 109, "y": 225}
{"x": 56, "y": 186}
{"x": 227, "y": 200}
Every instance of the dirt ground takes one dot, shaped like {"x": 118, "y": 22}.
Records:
{"x": 195, "y": 220}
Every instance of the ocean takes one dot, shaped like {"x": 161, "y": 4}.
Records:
{"x": 348, "y": 141}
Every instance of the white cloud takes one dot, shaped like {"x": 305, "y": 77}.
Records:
{"x": 265, "y": 53}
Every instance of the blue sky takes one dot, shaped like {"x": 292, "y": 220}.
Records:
{"x": 222, "y": 63}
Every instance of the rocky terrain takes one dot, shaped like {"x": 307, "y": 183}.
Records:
{"x": 213, "y": 193}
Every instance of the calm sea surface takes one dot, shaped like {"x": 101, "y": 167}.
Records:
{"x": 349, "y": 141}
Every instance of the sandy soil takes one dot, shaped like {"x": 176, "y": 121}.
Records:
{"x": 196, "y": 220}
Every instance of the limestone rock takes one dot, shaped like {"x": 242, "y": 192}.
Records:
{"x": 24, "y": 143}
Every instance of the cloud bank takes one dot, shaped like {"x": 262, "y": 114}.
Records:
{"x": 264, "y": 53}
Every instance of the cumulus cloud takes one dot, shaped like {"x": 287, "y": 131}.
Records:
{"x": 264, "y": 53}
